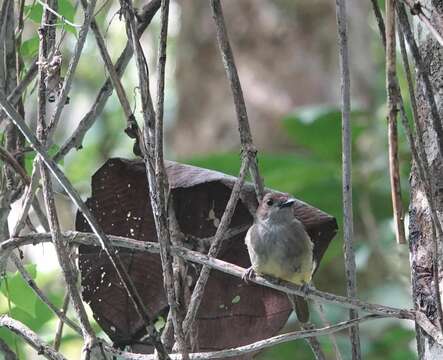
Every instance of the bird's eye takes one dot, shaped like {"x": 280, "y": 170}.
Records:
{"x": 270, "y": 202}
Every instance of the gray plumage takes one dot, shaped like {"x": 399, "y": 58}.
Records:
{"x": 279, "y": 245}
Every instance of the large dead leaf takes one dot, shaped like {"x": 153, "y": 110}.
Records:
{"x": 232, "y": 313}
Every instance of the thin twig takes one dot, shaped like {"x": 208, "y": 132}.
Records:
{"x": 61, "y": 17}
{"x": 351, "y": 276}
{"x": 41, "y": 295}
{"x": 193, "y": 256}
{"x": 48, "y": 193}
{"x": 237, "y": 93}
{"x": 159, "y": 193}
{"x": 322, "y": 315}
{"x": 391, "y": 84}
{"x": 313, "y": 342}
{"x": 59, "y": 331}
{"x": 197, "y": 294}
{"x": 73, "y": 194}
{"x": 8, "y": 158}
{"x": 69, "y": 76}
{"x": 30, "y": 338}
{"x": 76, "y": 139}
{"x": 256, "y": 346}
{"x": 115, "y": 79}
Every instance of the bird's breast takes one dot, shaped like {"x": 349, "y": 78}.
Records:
{"x": 281, "y": 252}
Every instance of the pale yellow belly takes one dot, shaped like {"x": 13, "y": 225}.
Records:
{"x": 303, "y": 276}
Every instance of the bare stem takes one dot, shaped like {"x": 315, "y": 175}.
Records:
{"x": 351, "y": 276}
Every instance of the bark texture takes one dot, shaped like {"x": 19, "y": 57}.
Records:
{"x": 421, "y": 231}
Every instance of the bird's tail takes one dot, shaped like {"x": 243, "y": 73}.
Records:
{"x": 300, "y": 306}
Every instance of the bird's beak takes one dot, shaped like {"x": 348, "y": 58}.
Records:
{"x": 286, "y": 203}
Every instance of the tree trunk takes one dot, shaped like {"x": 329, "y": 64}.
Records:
{"x": 421, "y": 232}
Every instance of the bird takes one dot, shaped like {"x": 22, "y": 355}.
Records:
{"x": 279, "y": 246}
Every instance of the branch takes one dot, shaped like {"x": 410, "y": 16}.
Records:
{"x": 115, "y": 79}
{"x": 197, "y": 294}
{"x": 258, "y": 345}
{"x": 61, "y": 17}
{"x": 73, "y": 194}
{"x": 48, "y": 193}
{"x": 63, "y": 95}
{"x": 41, "y": 295}
{"x": 59, "y": 331}
{"x": 8, "y": 158}
{"x": 155, "y": 171}
{"x": 30, "y": 338}
{"x": 391, "y": 85}
{"x": 237, "y": 93}
{"x": 220, "y": 265}
{"x": 160, "y": 192}
{"x": 76, "y": 139}
{"x": 351, "y": 277}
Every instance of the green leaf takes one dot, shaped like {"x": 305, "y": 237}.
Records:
{"x": 29, "y": 48}
{"x": 18, "y": 291}
{"x": 34, "y": 12}
{"x": 67, "y": 10}
{"x": 318, "y": 129}
{"x": 30, "y": 156}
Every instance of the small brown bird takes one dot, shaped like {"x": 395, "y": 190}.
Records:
{"x": 279, "y": 245}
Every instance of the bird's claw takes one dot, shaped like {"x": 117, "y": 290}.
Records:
{"x": 305, "y": 288}
{"x": 248, "y": 275}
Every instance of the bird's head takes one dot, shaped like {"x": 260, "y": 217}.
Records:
{"x": 275, "y": 207}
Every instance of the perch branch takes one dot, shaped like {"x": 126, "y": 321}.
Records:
{"x": 237, "y": 93}
{"x": 73, "y": 194}
{"x": 391, "y": 85}
{"x": 351, "y": 277}
{"x": 220, "y": 265}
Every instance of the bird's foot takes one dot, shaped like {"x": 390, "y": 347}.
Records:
{"x": 305, "y": 288}
{"x": 249, "y": 275}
